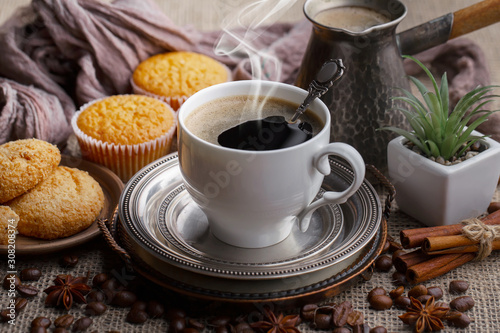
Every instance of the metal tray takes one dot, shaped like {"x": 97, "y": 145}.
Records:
{"x": 154, "y": 202}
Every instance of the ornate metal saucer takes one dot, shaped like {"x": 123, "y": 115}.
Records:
{"x": 167, "y": 230}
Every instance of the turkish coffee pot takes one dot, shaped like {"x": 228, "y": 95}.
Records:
{"x": 361, "y": 102}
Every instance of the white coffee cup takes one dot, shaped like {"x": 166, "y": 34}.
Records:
{"x": 253, "y": 198}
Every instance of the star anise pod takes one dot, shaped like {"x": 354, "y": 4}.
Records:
{"x": 278, "y": 324}
{"x": 426, "y": 318}
{"x": 66, "y": 289}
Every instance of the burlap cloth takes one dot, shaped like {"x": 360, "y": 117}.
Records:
{"x": 95, "y": 257}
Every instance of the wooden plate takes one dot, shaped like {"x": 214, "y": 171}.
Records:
{"x": 112, "y": 187}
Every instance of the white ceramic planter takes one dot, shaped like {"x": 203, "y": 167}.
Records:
{"x": 436, "y": 194}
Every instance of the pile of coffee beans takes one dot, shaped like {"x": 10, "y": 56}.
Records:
{"x": 379, "y": 299}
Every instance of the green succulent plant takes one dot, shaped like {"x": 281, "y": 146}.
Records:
{"x": 436, "y": 131}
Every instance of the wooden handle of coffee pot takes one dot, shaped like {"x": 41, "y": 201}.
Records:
{"x": 475, "y": 17}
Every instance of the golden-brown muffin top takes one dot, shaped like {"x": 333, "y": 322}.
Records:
{"x": 126, "y": 119}
{"x": 179, "y": 73}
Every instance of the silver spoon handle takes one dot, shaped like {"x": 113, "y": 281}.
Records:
{"x": 331, "y": 71}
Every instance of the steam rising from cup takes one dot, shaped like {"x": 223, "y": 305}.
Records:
{"x": 241, "y": 31}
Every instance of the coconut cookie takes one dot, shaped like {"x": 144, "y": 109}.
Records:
{"x": 8, "y": 224}
{"x": 24, "y": 164}
{"x": 64, "y": 204}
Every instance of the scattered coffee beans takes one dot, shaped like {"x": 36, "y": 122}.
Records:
{"x": 417, "y": 291}
{"x": 30, "y": 274}
{"x": 124, "y": 298}
{"x": 82, "y": 324}
{"x": 69, "y": 261}
{"x": 383, "y": 263}
{"x": 401, "y": 302}
{"x": 380, "y": 302}
{"x": 397, "y": 292}
{"x": 27, "y": 291}
{"x": 437, "y": 292}
{"x": 462, "y": 303}
{"x": 64, "y": 321}
{"x": 41, "y": 322}
{"x": 95, "y": 308}
{"x": 376, "y": 291}
{"x": 136, "y": 316}
{"x": 11, "y": 281}
{"x": 458, "y": 287}
{"x": 378, "y": 329}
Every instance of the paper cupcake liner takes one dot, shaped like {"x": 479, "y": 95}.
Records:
{"x": 123, "y": 160}
{"x": 174, "y": 101}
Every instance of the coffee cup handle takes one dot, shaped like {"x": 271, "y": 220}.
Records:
{"x": 321, "y": 163}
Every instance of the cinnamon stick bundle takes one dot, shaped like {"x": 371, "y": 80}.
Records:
{"x": 415, "y": 237}
{"x": 437, "y": 266}
{"x": 407, "y": 260}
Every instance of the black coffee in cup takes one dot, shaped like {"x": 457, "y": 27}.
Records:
{"x": 252, "y": 123}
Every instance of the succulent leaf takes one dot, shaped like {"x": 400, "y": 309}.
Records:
{"x": 436, "y": 130}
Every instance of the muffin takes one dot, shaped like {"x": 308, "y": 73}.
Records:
{"x": 174, "y": 76}
{"x": 125, "y": 132}
{"x": 64, "y": 204}
{"x": 23, "y": 164}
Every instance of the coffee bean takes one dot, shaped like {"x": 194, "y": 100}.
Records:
{"x": 380, "y": 302}
{"x": 383, "y": 263}
{"x": 7, "y": 314}
{"x": 99, "y": 279}
{"x": 220, "y": 321}
{"x": 462, "y": 303}
{"x": 11, "y": 281}
{"x": 458, "y": 286}
{"x": 322, "y": 321}
{"x": 139, "y": 306}
{"x": 96, "y": 296}
{"x": 397, "y": 292}
{"x": 177, "y": 325}
{"x": 399, "y": 279}
{"x": 175, "y": 313}
{"x": 193, "y": 323}
{"x": 30, "y": 274}
{"x": 41, "y": 322}
{"x": 378, "y": 329}
{"x": 20, "y": 304}
{"x": 394, "y": 246}
{"x": 308, "y": 311}
{"x": 137, "y": 316}
{"x": 386, "y": 247}
{"x": 38, "y": 329}
{"x": 124, "y": 298}
{"x": 397, "y": 253}
{"x": 376, "y": 291}
{"x": 26, "y": 290}
{"x": 82, "y": 324}
{"x": 243, "y": 327}
{"x": 222, "y": 329}
{"x": 155, "y": 309}
{"x": 110, "y": 284}
{"x": 69, "y": 261}
{"x": 341, "y": 330}
{"x": 460, "y": 320}
{"x": 95, "y": 308}
{"x": 64, "y": 321}
{"x": 401, "y": 302}
{"x": 417, "y": 291}
{"x": 423, "y": 298}
{"x": 437, "y": 292}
